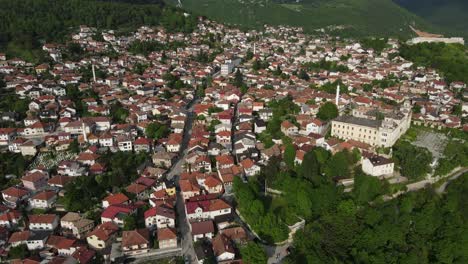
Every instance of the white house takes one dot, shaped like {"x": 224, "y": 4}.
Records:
{"x": 135, "y": 242}
{"x": 160, "y": 217}
{"x": 124, "y": 143}
{"x": 203, "y": 229}
{"x": 167, "y": 238}
{"x": 206, "y": 209}
{"x": 316, "y": 126}
{"x": 43, "y": 222}
{"x": 37, "y": 240}
{"x": 250, "y": 168}
{"x": 377, "y": 165}
{"x": 43, "y": 200}
{"x": 223, "y": 248}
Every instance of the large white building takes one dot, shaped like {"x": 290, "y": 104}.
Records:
{"x": 436, "y": 40}
{"x": 229, "y": 66}
{"x": 375, "y": 129}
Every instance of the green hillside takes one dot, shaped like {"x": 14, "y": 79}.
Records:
{"x": 452, "y": 14}
{"x": 362, "y": 17}
{"x": 26, "y": 24}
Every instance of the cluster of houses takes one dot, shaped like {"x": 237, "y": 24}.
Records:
{"x": 209, "y": 126}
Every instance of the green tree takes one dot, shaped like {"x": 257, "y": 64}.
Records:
{"x": 416, "y": 109}
{"x": 366, "y": 188}
{"x": 311, "y": 168}
{"x": 238, "y": 78}
{"x": 457, "y": 110}
{"x": 244, "y": 88}
{"x": 338, "y": 165}
{"x": 271, "y": 171}
{"x": 156, "y": 130}
{"x": 119, "y": 114}
{"x": 74, "y": 146}
{"x": 303, "y": 75}
{"x": 377, "y": 44}
{"x": 413, "y": 161}
{"x": 19, "y": 252}
{"x": 290, "y": 156}
{"x": 253, "y": 253}
{"x": 11, "y": 163}
{"x": 327, "y": 111}
{"x": 82, "y": 187}
{"x": 249, "y": 55}
{"x": 129, "y": 223}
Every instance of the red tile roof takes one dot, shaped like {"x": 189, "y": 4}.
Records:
{"x": 135, "y": 237}
{"x": 166, "y": 234}
{"x": 104, "y": 231}
{"x": 118, "y": 198}
{"x": 15, "y": 192}
{"x": 44, "y": 195}
{"x": 19, "y": 236}
{"x": 205, "y": 227}
{"x": 42, "y": 218}
{"x": 112, "y": 211}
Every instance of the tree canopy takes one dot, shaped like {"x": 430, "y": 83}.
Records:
{"x": 327, "y": 111}
{"x": 414, "y": 161}
{"x": 253, "y": 253}
{"x": 156, "y": 130}
{"x": 307, "y": 193}
{"x": 418, "y": 227}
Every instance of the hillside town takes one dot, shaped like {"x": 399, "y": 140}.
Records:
{"x": 132, "y": 143}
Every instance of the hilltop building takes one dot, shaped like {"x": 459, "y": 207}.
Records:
{"x": 372, "y": 127}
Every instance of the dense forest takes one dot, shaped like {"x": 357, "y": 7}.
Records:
{"x": 419, "y": 227}
{"x": 356, "y": 226}
{"x": 26, "y": 24}
{"x": 450, "y": 59}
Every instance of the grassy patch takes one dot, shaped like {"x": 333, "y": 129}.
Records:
{"x": 297, "y": 8}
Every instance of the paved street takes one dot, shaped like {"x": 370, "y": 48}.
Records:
{"x": 184, "y": 230}
{"x": 422, "y": 184}
{"x": 455, "y": 176}
{"x": 276, "y": 253}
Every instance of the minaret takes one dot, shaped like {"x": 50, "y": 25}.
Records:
{"x": 85, "y": 137}
{"x": 337, "y": 99}
{"x": 255, "y": 49}
{"x": 94, "y": 73}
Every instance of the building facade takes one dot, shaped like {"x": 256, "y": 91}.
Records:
{"x": 376, "y": 130}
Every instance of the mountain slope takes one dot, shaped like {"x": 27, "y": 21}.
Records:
{"x": 362, "y": 17}
{"x": 26, "y": 24}
{"x": 452, "y": 14}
